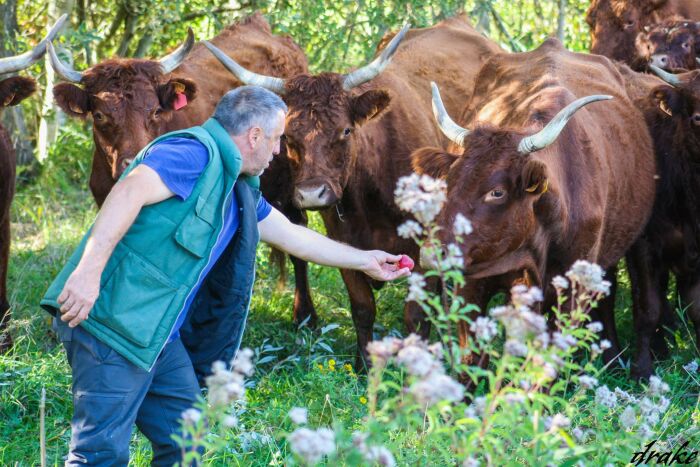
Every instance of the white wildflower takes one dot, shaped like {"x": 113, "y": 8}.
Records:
{"x": 312, "y": 445}
{"x": 410, "y": 229}
{"x": 542, "y": 340}
{"x": 525, "y": 384}
{"x": 589, "y": 276}
{"x": 691, "y": 367}
{"x": 417, "y": 361}
{"x": 563, "y": 341}
{"x": 664, "y": 403}
{"x": 605, "y": 344}
{"x": 515, "y": 348}
{"x": 379, "y": 455}
{"x": 625, "y": 396}
{"x": 243, "y": 362}
{"x": 423, "y": 196}
{"x": 225, "y": 386}
{"x": 416, "y": 288}
{"x": 471, "y": 462}
{"x": 462, "y": 226}
{"x": 549, "y": 371}
{"x": 479, "y": 405}
{"x": 191, "y": 416}
{"x": 579, "y": 434}
{"x": 560, "y": 282}
{"x": 556, "y": 422}
{"x": 470, "y": 412}
{"x": 299, "y": 415}
{"x": 514, "y": 398}
{"x": 595, "y": 349}
{"x": 385, "y": 348}
{"x": 645, "y": 431}
{"x": 484, "y": 328}
{"x": 628, "y": 418}
{"x": 657, "y": 386}
{"x": 453, "y": 258}
{"x": 436, "y": 350}
{"x": 587, "y": 381}
{"x": 595, "y": 326}
{"x": 520, "y": 295}
{"x": 606, "y": 398}
{"x": 230, "y": 421}
{"x": 435, "y": 388}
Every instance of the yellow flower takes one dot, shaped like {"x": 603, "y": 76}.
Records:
{"x": 347, "y": 367}
{"x": 331, "y": 364}
{"x": 363, "y": 400}
{"x": 320, "y": 366}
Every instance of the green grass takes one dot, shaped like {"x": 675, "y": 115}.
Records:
{"x": 49, "y": 217}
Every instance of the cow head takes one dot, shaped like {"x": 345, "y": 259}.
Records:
{"x": 499, "y": 185}
{"x": 615, "y": 25}
{"x": 326, "y": 113}
{"x": 129, "y": 100}
{"x": 680, "y": 99}
{"x": 670, "y": 45}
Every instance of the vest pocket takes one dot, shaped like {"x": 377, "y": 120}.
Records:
{"x": 195, "y": 232}
{"x": 134, "y": 300}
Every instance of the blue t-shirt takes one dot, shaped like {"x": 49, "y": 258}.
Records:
{"x": 179, "y": 162}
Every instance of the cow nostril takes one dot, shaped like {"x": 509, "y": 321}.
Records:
{"x": 323, "y": 191}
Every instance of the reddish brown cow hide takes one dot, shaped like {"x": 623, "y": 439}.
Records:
{"x": 671, "y": 45}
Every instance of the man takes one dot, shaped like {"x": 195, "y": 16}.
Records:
{"x": 161, "y": 284}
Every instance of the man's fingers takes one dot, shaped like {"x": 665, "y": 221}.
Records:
{"x": 68, "y": 303}
{"x": 72, "y": 311}
{"x": 81, "y": 316}
{"x": 63, "y": 296}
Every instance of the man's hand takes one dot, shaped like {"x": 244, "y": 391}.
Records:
{"x": 383, "y": 266}
{"x": 79, "y": 296}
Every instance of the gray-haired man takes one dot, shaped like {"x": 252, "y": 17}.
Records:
{"x": 166, "y": 272}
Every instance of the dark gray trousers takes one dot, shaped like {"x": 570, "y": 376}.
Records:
{"x": 110, "y": 394}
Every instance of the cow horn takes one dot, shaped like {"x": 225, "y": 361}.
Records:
{"x": 64, "y": 71}
{"x": 20, "y": 62}
{"x": 175, "y": 58}
{"x": 448, "y": 126}
{"x": 670, "y": 78}
{"x": 368, "y": 72}
{"x": 549, "y": 133}
{"x": 697, "y": 60}
{"x": 275, "y": 85}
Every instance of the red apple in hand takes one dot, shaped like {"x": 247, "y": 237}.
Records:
{"x": 406, "y": 262}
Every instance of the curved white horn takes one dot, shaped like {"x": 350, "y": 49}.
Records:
{"x": 175, "y": 58}
{"x": 670, "y": 78}
{"x": 20, "y": 62}
{"x": 275, "y": 85}
{"x": 368, "y": 72}
{"x": 549, "y": 133}
{"x": 448, "y": 126}
{"x": 64, "y": 71}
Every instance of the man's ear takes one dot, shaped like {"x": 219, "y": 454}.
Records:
{"x": 177, "y": 93}
{"x": 432, "y": 161}
{"x": 14, "y": 90}
{"x": 72, "y": 99}
{"x": 534, "y": 177}
{"x": 369, "y": 105}
{"x": 667, "y": 99}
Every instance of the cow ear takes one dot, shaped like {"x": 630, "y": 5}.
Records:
{"x": 534, "y": 177}
{"x": 432, "y": 161}
{"x": 369, "y": 105}
{"x": 177, "y": 93}
{"x": 14, "y": 90}
{"x": 72, "y": 99}
{"x": 667, "y": 99}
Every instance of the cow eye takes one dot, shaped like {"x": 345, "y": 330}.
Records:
{"x": 495, "y": 195}
{"x": 347, "y": 131}
{"x": 685, "y": 45}
{"x": 98, "y": 116}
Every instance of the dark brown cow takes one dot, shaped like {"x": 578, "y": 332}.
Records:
{"x": 541, "y": 198}
{"x": 131, "y": 102}
{"x": 671, "y": 241}
{"x": 349, "y": 138}
{"x": 13, "y": 91}
{"x": 615, "y": 24}
{"x": 671, "y": 45}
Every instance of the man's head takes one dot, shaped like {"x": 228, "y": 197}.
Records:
{"x": 254, "y": 117}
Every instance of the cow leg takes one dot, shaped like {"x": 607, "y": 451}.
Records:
{"x": 415, "y": 318}
{"x": 363, "y": 309}
{"x": 5, "y": 338}
{"x": 303, "y": 304}
{"x": 605, "y": 313}
{"x": 646, "y": 276}
{"x": 691, "y": 299}
{"x": 666, "y": 321}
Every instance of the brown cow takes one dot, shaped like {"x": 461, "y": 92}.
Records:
{"x": 541, "y": 198}
{"x": 13, "y": 91}
{"x": 132, "y": 102}
{"x": 350, "y": 137}
{"x": 671, "y": 241}
{"x": 671, "y": 45}
{"x": 615, "y": 24}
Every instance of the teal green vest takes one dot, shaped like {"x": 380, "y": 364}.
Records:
{"x": 158, "y": 262}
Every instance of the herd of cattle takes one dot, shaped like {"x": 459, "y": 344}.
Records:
{"x": 554, "y": 156}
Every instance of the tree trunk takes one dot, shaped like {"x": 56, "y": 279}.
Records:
{"x": 561, "y": 20}
{"x": 13, "y": 117}
{"x": 51, "y": 117}
{"x": 129, "y": 28}
{"x": 144, "y": 44}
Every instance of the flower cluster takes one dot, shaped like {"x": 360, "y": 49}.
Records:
{"x": 520, "y": 321}
{"x": 422, "y": 361}
{"x": 311, "y": 445}
{"x": 374, "y": 455}
{"x": 421, "y": 195}
{"x": 589, "y": 276}
{"x": 226, "y": 386}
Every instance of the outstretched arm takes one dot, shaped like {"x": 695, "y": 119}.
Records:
{"x": 306, "y": 244}
{"x": 141, "y": 187}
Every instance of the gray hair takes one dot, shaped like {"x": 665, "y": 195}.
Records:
{"x": 248, "y": 106}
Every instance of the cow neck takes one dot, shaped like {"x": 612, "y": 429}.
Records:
{"x": 230, "y": 155}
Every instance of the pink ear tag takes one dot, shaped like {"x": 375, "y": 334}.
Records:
{"x": 180, "y": 101}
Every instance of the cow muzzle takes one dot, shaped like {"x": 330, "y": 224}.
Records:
{"x": 314, "y": 196}
{"x": 659, "y": 60}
